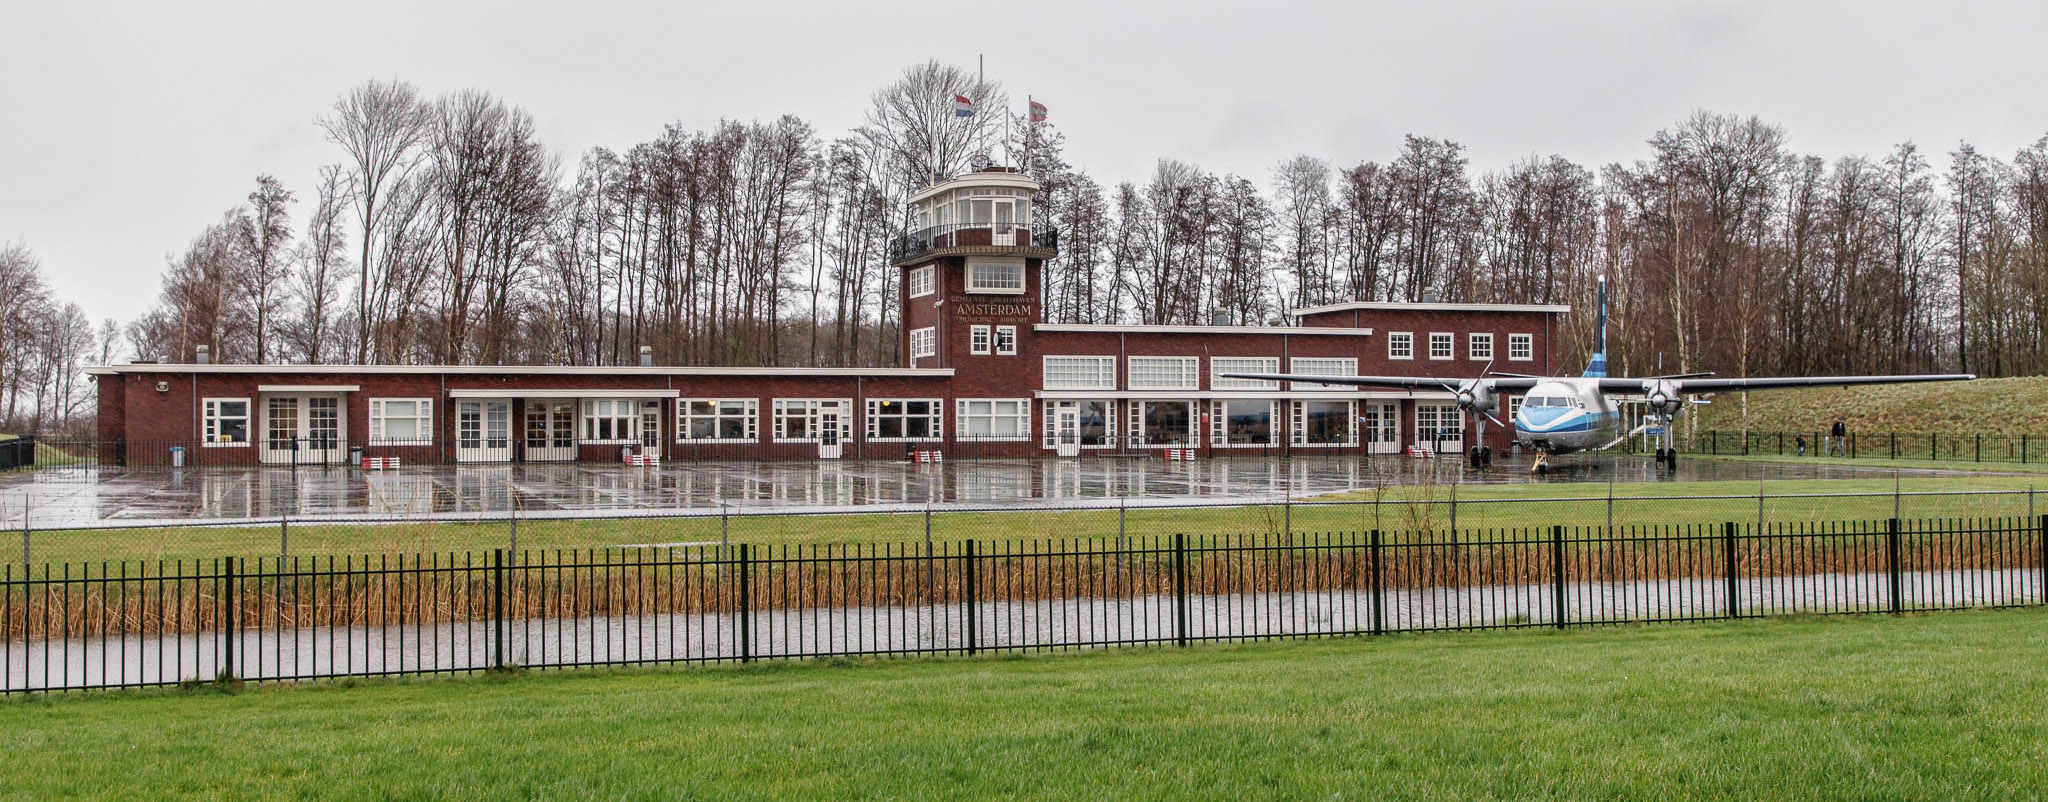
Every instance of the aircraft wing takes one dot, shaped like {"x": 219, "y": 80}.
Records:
{"x": 1407, "y": 382}
{"x": 1773, "y": 382}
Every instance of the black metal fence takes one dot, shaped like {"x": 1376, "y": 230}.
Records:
{"x": 1936, "y": 446}
{"x": 18, "y": 452}
{"x": 128, "y": 624}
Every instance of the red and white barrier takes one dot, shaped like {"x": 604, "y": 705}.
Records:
{"x": 380, "y": 463}
{"x": 1180, "y": 453}
{"x": 928, "y": 456}
{"x": 643, "y": 460}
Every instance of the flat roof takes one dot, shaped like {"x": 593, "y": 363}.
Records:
{"x": 1327, "y": 331}
{"x": 1392, "y": 306}
{"x": 983, "y": 178}
{"x": 520, "y": 370}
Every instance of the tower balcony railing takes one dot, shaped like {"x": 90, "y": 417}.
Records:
{"x": 1038, "y": 237}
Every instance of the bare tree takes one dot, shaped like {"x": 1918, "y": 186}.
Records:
{"x": 380, "y": 125}
{"x": 266, "y": 234}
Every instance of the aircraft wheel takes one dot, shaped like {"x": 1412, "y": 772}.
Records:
{"x": 1486, "y": 456}
{"x": 1671, "y": 461}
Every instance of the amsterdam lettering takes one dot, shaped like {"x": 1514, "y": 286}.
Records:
{"x": 967, "y": 308}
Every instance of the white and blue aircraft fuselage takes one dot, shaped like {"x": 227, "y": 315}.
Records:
{"x": 1563, "y": 414}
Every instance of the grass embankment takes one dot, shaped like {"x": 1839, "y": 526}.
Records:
{"x": 1985, "y": 406}
{"x": 1938, "y": 707}
{"x": 1401, "y": 508}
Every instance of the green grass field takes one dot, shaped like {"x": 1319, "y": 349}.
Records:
{"x": 1403, "y": 508}
{"x": 1948, "y": 707}
{"x": 1984, "y": 406}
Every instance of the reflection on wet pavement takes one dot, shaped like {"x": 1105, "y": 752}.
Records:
{"x": 69, "y": 497}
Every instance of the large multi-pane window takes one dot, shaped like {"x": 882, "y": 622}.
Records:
{"x": 732, "y": 420}
{"x": 226, "y": 421}
{"x": 610, "y": 420}
{"x": 923, "y": 281}
{"x": 1092, "y": 423}
{"x": 1521, "y": 347}
{"x": 904, "y": 419}
{"x": 1441, "y": 345}
{"x": 1219, "y": 365}
{"x": 1080, "y": 373}
{"x": 800, "y": 420}
{"x": 978, "y": 338}
{"x": 996, "y": 275}
{"x": 1241, "y": 423}
{"x": 924, "y": 342}
{"x": 1479, "y": 346}
{"x": 1400, "y": 345}
{"x": 1440, "y": 425}
{"x": 1165, "y": 372}
{"x": 1163, "y": 423}
{"x": 993, "y": 419}
{"x": 402, "y": 421}
{"x": 1323, "y": 423}
{"x": 1323, "y": 366}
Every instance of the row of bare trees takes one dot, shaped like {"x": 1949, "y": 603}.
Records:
{"x": 44, "y": 346}
{"x": 447, "y": 232}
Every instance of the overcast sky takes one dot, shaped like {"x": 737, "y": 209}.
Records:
{"x": 125, "y": 128}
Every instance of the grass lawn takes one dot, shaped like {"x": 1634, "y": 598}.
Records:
{"x": 1984, "y": 406}
{"x": 1949, "y": 706}
{"x": 1403, "y": 508}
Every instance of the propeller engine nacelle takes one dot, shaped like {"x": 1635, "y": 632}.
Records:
{"x": 1477, "y": 396}
{"x": 1663, "y": 397}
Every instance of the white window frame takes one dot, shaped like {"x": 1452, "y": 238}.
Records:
{"x": 982, "y": 285}
{"x": 1219, "y": 434}
{"x": 923, "y": 281}
{"x": 624, "y": 411}
{"x": 749, "y": 411}
{"x": 1450, "y": 343}
{"x": 877, "y": 410}
{"x": 1526, "y": 343}
{"x": 978, "y": 339}
{"x": 1323, "y": 366}
{"x": 1137, "y": 407}
{"x": 810, "y": 409}
{"x": 924, "y": 342}
{"x": 1219, "y": 365}
{"x": 211, "y": 418}
{"x": 1104, "y": 369}
{"x": 970, "y": 410}
{"x": 1400, "y": 345}
{"x": 1189, "y": 370}
{"x": 1473, "y": 349}
{"x": 1050, "y": 420}
{"x": 1297, "y": 429}
{"x": 1006, "y": 341}
{"x": 380, "y": 413}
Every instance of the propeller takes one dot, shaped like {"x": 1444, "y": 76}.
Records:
{"x": 1476, "y": 396}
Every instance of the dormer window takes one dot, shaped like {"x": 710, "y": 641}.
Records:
{"x": 999, "y": 276}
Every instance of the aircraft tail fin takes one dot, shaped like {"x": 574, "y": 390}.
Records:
{"x": 1596, "y": 368}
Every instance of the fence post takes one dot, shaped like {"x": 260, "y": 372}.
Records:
{"x": 2041, "y": 535}
{"x": 1379, "y": 602}
{"x": 1728, "y": 563}
{"x": 746, "y": 607}
{"x": 1894, "y": 437}
{"x": 973, "y": 631}
{"x": 24, "y": 531}
{"x": 497, "y": 608}
{"x": 284, "y": 536}
{"x": 229, "y": 635}
{"x": 1557, "y": 570}
{"x": 1180, "y": 588}
{"x": 1892, "y": 546}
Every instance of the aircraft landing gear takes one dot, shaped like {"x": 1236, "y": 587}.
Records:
{"x": 1668, "y": 459}
{"x": 1480, "y": 458}
{"x": 1542, "y": 465}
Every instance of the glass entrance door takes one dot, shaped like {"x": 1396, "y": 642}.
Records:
{"x": 1382, "y": 420}
{"x": 483, "y": 431}
{"x": 551, "y": 431}
{"x": 1066, "y": 429}
{"x": 301, "y": 430}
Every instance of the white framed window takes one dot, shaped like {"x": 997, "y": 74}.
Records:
{"x": 226, "y": 422}
{"x": 905, "y": 419}
{"x": 402, "y": 421}
{"x": 1323, "y": 366}
{"x": 1240, "y": 423}
{"x": 1093, "y": 422}
{"x": 1163, "y": 424}
{"x": 1219, "y": 365}
{"x": 924, "y": 342}
{"x": 1002, "y": 276}
{"x": 806, "y": 420}
{"x": 923, "y": 281}
{"x": 1328, "y": 424}
{"x": 990, "y": 419}
{"x": 1514, "y": 408}
{"x": 977, "y": 339}
{"x": 730, "y": 420}
{"x": 610, "y": 420}
{"x": 1442, "y": 345}
{"x": 1521, "y": 347}
{"x": 1400, "y": 345}
{"x": 1006, "y": 340}
{"x": 1165, "y": 372}
{"x": 1080, "y": 373}
{"x": 1479, "y": 346}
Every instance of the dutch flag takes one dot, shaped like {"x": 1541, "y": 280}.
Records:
{"x": 962, "y": 107}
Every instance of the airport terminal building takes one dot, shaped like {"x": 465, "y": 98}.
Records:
{"x": 982, "y": 376}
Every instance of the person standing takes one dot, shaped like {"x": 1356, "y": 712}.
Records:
{"x": 1837, "y": 436}
{"x": 1802, "y": 445}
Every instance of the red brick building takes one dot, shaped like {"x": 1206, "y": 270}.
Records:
{"x": 983, "y": 376}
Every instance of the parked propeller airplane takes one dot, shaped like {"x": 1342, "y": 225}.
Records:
{"x": 1563, "y": 414}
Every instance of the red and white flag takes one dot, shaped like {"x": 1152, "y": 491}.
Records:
{"x": 962, "y": 107}
{"x": 1037, "y": 112}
